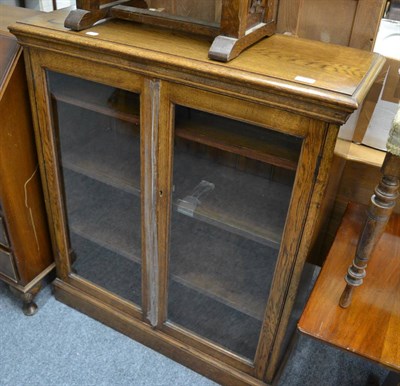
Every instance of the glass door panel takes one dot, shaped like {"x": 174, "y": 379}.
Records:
{"x": 99, "y": 142}
{"x": 232, "y": 184}
{"x": 205, "y": 11}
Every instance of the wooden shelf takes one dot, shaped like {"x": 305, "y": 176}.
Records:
{"x": 123, "y": 278}
{"x": 207, "y": 318}
{"x": 111, "y": 220}
{"x": 238, "y": 138}
{"x": 113, "y": 158}
{"x": 107, "y": 269}
{"x": 105, "y": 154}
{"x": 208, "y": 129}
{"x": 96, "y": 97}
{"x": 104, "y": 215}
{"x": 225, "y": 267}
{"x": 227, "y": 205}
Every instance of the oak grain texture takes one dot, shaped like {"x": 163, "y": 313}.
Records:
{"x": 370, "y": 326}
{"x": 168, "y": 69}
{"x": 336, "y": 72}
{"x": 299, "y": 235}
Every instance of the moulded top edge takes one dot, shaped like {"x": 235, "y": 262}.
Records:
{"x": 334, "y": 75}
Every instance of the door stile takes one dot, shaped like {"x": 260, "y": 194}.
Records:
{"x": 320, "y": 183}
{"x": 165, "y": 162}
{"x": 150, "y": 104}
{"x": 48, "y": 161}
{"x": 290, "y": 259}
{"x": 156, "y": 176}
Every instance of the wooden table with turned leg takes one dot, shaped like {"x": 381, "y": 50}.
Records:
{"x": 366, "y": 321}
{"x": 370, "y": 326}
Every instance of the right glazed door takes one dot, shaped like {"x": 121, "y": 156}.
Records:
{"x": 232, "y": 184}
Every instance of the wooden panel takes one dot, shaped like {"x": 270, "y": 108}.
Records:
{"x": 3, "y": 234}
{"x": 288, "y": 16}
{"x": 370, "y": 326}
{"x": 366, "y": 23}
{"x": 351, "y": 23}
{"x": 316, "y": 20}
{"x": 20, "y": 189}
{"x": 7, "y": 265}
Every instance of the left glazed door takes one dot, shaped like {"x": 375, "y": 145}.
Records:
{"x": 93, "y": 181}
{"x": 97, "y": 146}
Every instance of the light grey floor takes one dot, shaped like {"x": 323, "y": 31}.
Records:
{"x": 60, "y": 346}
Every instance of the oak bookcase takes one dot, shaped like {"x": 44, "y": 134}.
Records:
{"x": 183, "y": 193}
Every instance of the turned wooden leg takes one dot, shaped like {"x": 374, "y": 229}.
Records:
{"x": 379, "y": 211}
{"x": 29, "y": 307}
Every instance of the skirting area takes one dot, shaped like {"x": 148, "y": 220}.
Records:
{"x": 60, "y": 346}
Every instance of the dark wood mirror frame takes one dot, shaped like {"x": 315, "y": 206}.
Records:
{"x": 242, "y": 22}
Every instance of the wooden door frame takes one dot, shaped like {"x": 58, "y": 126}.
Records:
{"x": 38, "y": 63}
{"x": 317, "y": 138}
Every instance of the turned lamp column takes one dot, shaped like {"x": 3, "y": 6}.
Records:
{"x": 378, "y": 213}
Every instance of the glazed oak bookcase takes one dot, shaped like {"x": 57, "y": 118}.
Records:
{"x": 182, "y": 193}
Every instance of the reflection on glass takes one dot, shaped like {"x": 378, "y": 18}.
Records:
{"x": 229, "y": 210}
{"x": 99, "y": 135}
{"x": 206, "y": 11}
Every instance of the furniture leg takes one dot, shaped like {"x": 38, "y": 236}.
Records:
{"x": 29, "y": 307}
{"x": 378, "y": 214}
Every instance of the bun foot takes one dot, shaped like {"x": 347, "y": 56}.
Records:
{"x": 29, "y": 308}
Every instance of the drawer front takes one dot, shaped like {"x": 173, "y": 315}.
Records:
{"x": 3, "y": 234}
{"x": 7, "y": 265}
